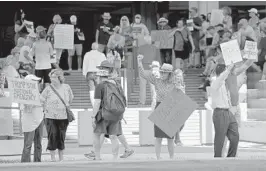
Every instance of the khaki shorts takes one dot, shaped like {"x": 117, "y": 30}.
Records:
{"x": 91, "y": 81}
{"x": 77, "y": 49}
{"x": 108, "y": 127}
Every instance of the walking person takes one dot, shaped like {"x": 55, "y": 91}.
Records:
{"x": 224, "y": 121}
{"x": 107, "y": 66}
{"x": 56, "y": 121}
{"x": 92, "y": 59}
{"x": 168, "y": 81}
{"x": 32, "y": 127}
{"x": 108, "y": 110}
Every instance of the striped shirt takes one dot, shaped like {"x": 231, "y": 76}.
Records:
{"x": 162, "y": 87}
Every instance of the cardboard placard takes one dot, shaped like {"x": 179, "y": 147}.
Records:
{"x": 172, "y": 113}
{"x": 217, "y": 17}
{"x": 64, "y": 36}
{"x": 190, "y": 25}
{"x": 29, "y": 26}
{"x": 24, "y": 91}
{"x": 162, "y": 38}
{"x": 231, "y": 52}
{"x": 250, "y": 50}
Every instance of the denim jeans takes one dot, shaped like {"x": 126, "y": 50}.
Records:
{"x": 30, "y": 137}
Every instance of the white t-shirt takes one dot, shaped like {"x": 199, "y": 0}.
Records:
{"x": 22, "y": 57}
{"x": 32, "y": 116}
{"x": 42, "y": 50}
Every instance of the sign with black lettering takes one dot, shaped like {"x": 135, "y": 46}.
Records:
{"x": 24, "y": 91}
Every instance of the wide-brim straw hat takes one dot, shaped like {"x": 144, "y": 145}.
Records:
{"x": 106, "y": 15}
{"x": 32, "y": 77}
{"x": 167, "y": 68}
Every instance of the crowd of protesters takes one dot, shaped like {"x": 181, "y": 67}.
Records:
{"x": 34, "y": 51}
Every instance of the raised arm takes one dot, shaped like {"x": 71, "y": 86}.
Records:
{"x": 238, "y": 70}
{"x": 147, "y": 75}
{"x": 216, "y": 84}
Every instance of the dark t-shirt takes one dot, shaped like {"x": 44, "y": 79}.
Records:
{"x": 262, "y": 47}
{"x": 76, "y": 38}
{"x": 196, "y": 33}
{"x": 103, "y": 36}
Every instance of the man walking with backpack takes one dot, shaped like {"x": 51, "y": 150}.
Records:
{"x": 108, "y": 110}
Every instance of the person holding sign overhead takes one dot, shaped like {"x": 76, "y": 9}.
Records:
{"x": 168, "y": 80}
{"x": 225, "y": 123}
{"x": 32, "y": 126}
{"x": 197, "y": 24}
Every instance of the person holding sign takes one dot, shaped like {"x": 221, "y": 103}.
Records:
{"x": 32, "y": 127}
{"x": 79, "y": 38}
{"x": 167, "y": 81}
{"x": 20, "y": 25}
{"x": 225, "y": 123}
{"x": 227, "y": 21}
{"x": 139, "y": 31}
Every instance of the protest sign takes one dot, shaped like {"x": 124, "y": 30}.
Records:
{"x": 250, "y": 50}
{"x": 162, "y": 38}
{"x": 217, "y": 17}
{"x": 64, "y": 36}
{"x": 24, "y": 91}
{"x": 137, "y": 30}
{"x": 81, "y": 36}
{"x": 29, "y": 26}
{"x": 231, "y": 52}
{"x": 172, "y": 113}
{"x": 190, "y": 25}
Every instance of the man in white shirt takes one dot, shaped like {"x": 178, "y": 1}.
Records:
{"x": 32, "y": 127}
{"x": 224, "y": 121}
{"x": 92, "y": 59}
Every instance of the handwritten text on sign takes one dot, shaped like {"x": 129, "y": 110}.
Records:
{"x": 231, "y": 52}
{"x": 24, "y": 91}
{"x": 250, "y": 50}
{"x": 162, "y": 36}
{"x": 64, "y": 36}
{"x": 173, "y": 112}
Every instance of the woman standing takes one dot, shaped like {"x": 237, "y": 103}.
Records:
{"x": 167, "y": 81}
{"x": 20, "y": 26}
{"x": 55, "y": 112}
{"x": 182, "y": 39}
{"x": 117, "y": 42}
{"x": 50, "y": 36}
{"x": 227, "y": 21}
{"x": 126, "y": 30}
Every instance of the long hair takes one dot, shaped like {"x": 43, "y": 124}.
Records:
{"x": 18, "y": 14}
{"x": 121, "y": 23}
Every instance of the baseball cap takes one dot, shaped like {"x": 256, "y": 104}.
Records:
{"x": 254, "y": 10}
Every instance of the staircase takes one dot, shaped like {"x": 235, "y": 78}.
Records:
{"x": 253, "y": 129}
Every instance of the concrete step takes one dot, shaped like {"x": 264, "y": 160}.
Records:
{"x": 255, "y": 94}
{"x": 257, "y": 103}
{"x": 252, "y": 79}
{"x": 253, "y": 131}
{"x": 257, "y": 114}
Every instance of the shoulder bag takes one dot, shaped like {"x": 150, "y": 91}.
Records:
{"x": 70, "y": 114}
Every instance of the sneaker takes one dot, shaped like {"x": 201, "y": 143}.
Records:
{"x": 127, "y": 154}
{"x": 90, "y": 155}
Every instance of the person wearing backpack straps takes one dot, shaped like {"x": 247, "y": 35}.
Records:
{"x": 109, "y": 106}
